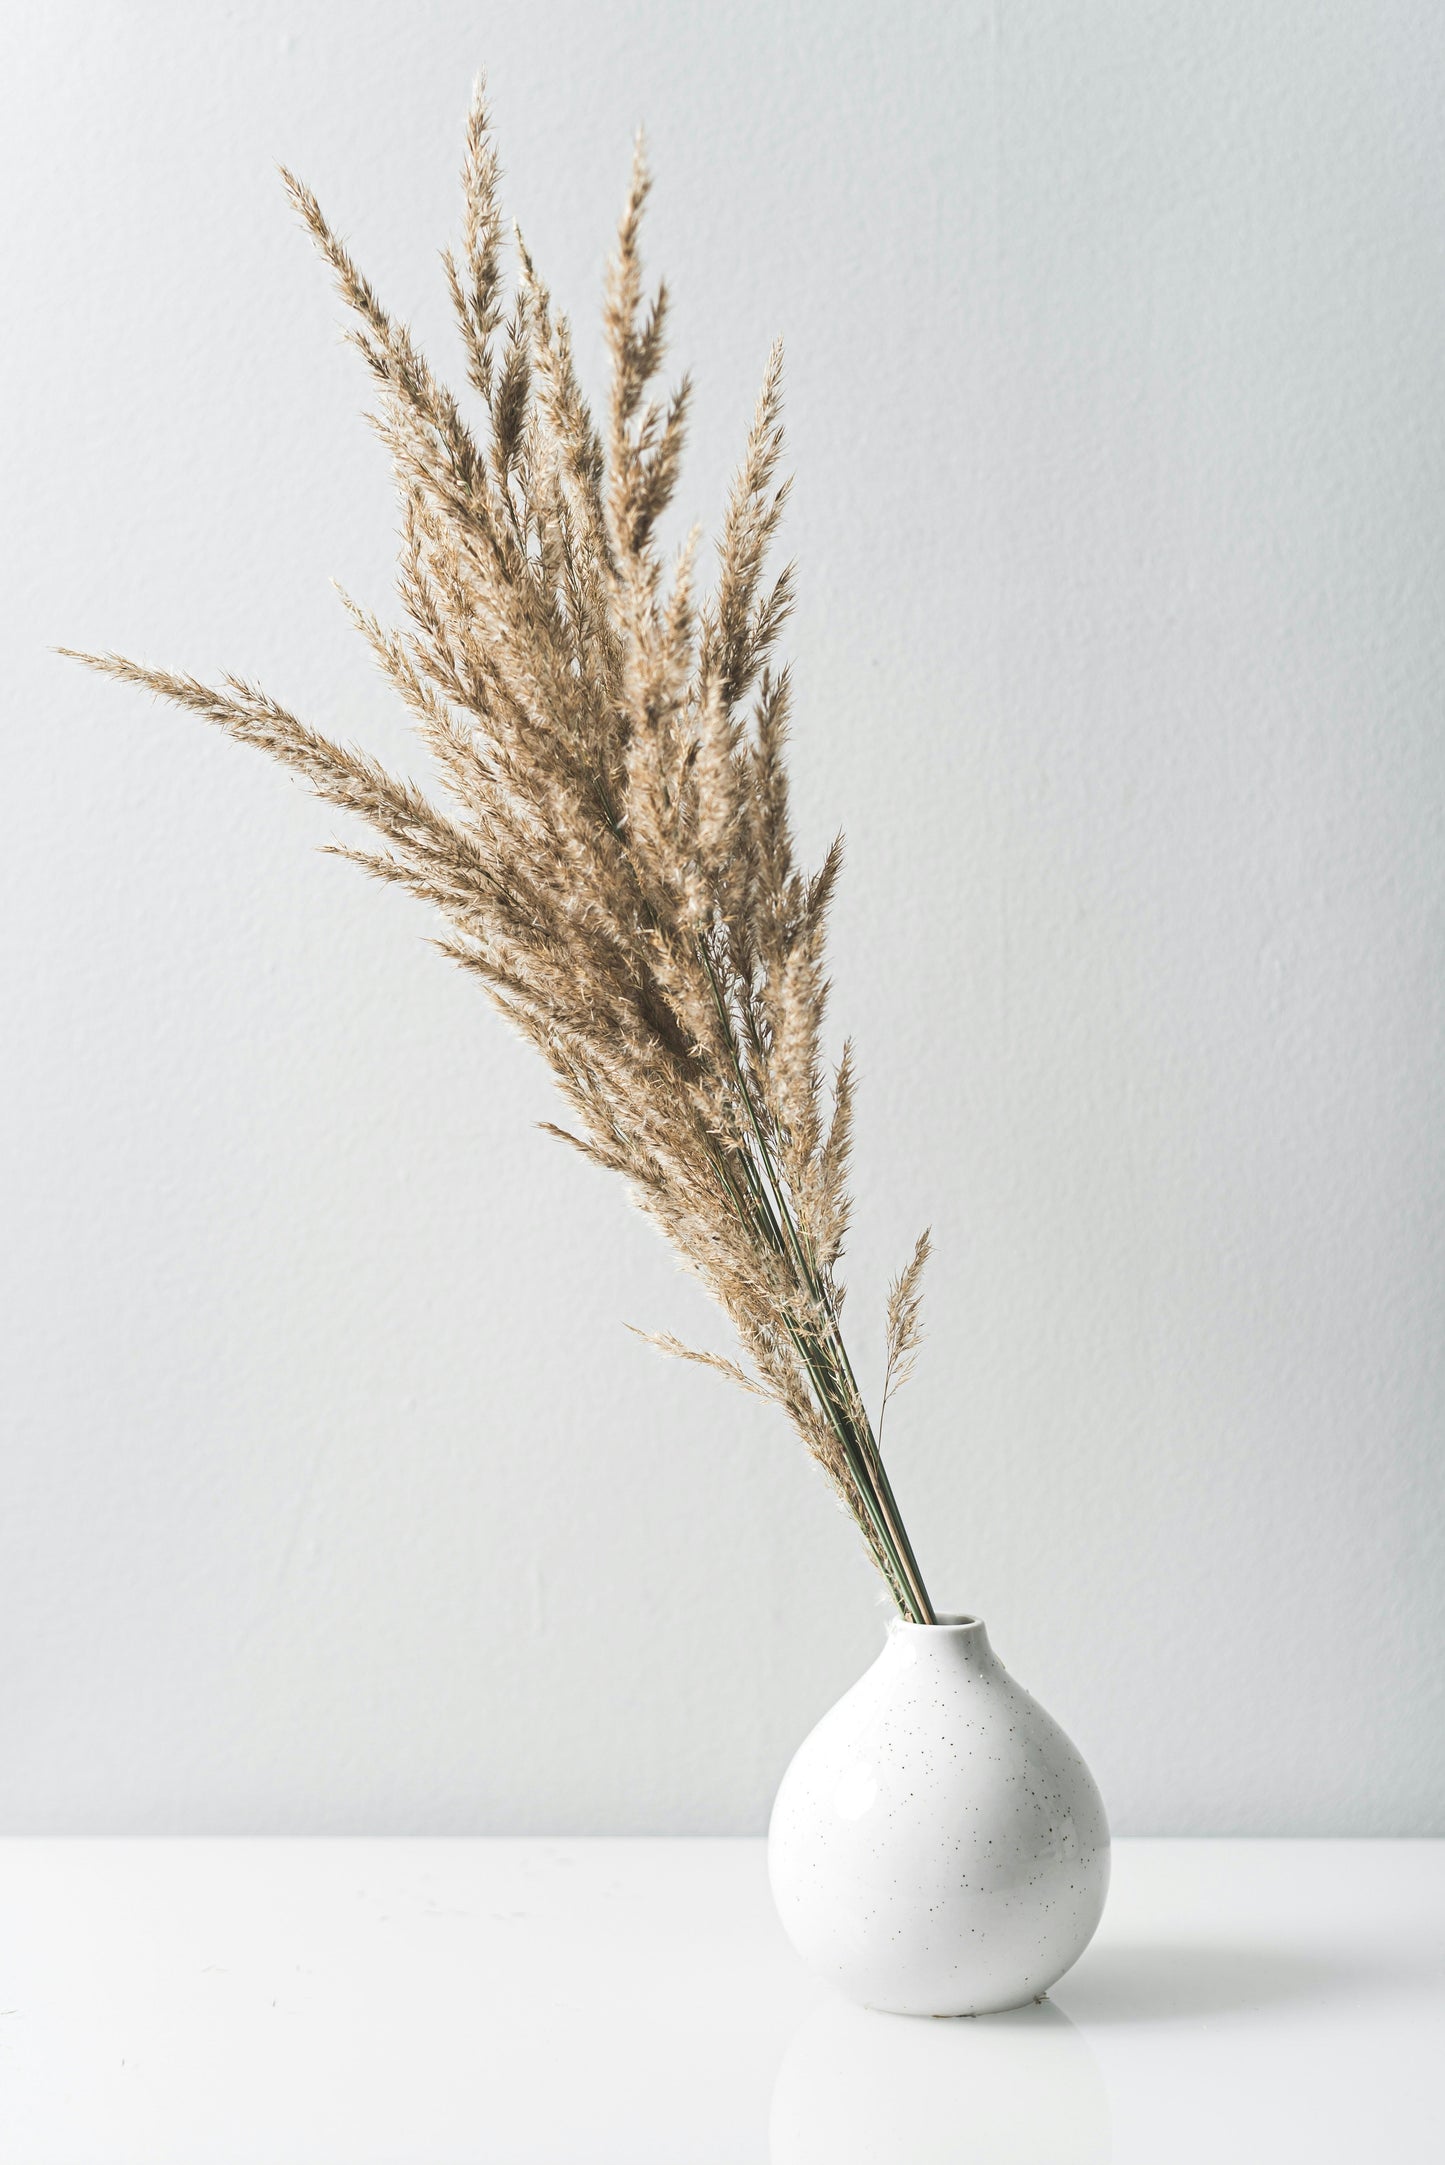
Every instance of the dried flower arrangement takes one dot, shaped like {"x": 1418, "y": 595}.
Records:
{"x": 615, "y": 861}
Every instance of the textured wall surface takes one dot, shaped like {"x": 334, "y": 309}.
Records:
{"x": 333, "y": 1494}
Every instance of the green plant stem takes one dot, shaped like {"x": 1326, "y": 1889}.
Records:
{"x": 829, "y": 1368}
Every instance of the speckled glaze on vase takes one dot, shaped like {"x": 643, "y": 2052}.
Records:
{"x": 938, "y": 1846}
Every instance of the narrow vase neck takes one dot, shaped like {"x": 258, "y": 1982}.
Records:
{"x": 954, "y": 1642}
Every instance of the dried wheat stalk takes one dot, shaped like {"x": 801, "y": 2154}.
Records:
{"x": 615, "y": 860}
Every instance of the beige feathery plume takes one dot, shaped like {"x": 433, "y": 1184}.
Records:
{"x": 611, "y": 850}
{"x": 905, "y": 1333}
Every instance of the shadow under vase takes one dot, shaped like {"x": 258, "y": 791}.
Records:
{"x": 1147, "y": 1981}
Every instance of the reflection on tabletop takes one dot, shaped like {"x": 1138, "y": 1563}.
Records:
{"x": 856, "y": 2087}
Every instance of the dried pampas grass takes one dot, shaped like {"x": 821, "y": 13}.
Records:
{"x": 613, "y": 856}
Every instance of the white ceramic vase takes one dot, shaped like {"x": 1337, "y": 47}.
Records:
{"x": 938, "y": 1847}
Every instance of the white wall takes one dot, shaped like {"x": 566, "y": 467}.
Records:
{"x": 334, "y": 1494}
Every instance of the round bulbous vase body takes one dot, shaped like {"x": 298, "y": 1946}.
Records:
{"x": 938, "y": 1846}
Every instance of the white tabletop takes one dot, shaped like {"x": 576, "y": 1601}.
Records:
{"x": 576, "y": 2002}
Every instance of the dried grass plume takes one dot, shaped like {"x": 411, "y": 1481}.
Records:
{"x": 612, "y": 853}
